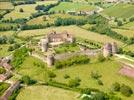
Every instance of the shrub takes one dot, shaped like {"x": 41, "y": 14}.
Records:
{"x": 126, "y": 90}
{"x": 100, "y": 58}
{"x": 66, "y": 76}
{"x": 100, "y": 82}
{"x": 73, "y": 83}
{"x": 51, "y": 74}
{"x": 72, "y": 61}
{"x": 95, "y": 75}
{"x": 21, "y": 10}
{"x": 116, "y": 87}
{"x": 86, "y": 91}
{"x": 26, "y": 80}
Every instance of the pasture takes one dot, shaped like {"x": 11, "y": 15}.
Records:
{"x": 75, "y": 30}
{"x": 6, "y": 5}
{"x": 68, "y": 6}
{"x": 28, "y": 10}
{"x": 120, "y": 11}
{"x": 4, "y": 50}
{"x": 128, "y": 33}
{"x": 6, "y": 33}
{"x": 46, "y": 93}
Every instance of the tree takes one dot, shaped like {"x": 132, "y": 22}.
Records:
{"x": 26, "y": 80}
{"x": 126, "y": 90}
{"x": 100, "y": 58}
{"x": 99, "y": 96}
{"x": 119, "y": 23}
{"x": 115, "y": 86}
{"x": 21, "y": 10}
{"x": 51, "y": 74}
{"x": 73, "y": 83}
{"x": 86, "y": 91}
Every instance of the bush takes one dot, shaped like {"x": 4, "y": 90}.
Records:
{"x": 86, "y": 91}
{"x": 100, "y": 58}
{"x": 95, "y": 75}
{"x": 26, "y": 80}
{"x": 126, "y": 90}
{"x": 51, "y": 74}
{"x": 21, "y": 10}
{"x": 100, "y": 82}
{"x": 66, "y": 76}
{"x": 73, "y": 83}
{"x": 72, "y": 61}
{"x": 116, "y": 87}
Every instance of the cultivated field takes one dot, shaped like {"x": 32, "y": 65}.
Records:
{"x": 46, "y": 93}
{"x": 67, "y": 6}
{"x": 128, "y": 33}
{"x": 76, "y": 31}
{"x": 120, "y": 10}
{"x": 129, "y": 26}
{"x": 6, "y": 5}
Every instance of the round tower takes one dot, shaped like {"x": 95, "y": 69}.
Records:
{"x": 44, "y": 45}
{"x": 50, "y": 60}
{"x": 114, "y": 48}
{"x": 107, "y": 50}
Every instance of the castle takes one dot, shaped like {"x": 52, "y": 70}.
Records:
{"x": 54, "y": 38}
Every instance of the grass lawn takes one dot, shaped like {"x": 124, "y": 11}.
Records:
{"x": 4, "y": 50}
{"x": 35, "y": 72}
{"x": 3, "y": 88}
{"x": 46, "y": 93}
{"x": 120, "y": 10}
{"x": 108, "y": 70}
{"x": 69, "y": 6}
{"x": 6, "y": 5}
{"x": 76, "y": 31}
{"x": 128, "y": 33}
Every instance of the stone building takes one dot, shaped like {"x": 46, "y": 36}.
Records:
{"x": 50, "y": 60}
{"x": 110, "y": 49}
{"x": 107, "y": 50}
{"x": 54, "y": 38}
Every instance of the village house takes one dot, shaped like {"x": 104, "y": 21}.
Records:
{"x": 5, "y": 76}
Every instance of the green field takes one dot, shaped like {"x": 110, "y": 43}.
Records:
{"x": 68, "y": 6}
{"x": 28, "y": 10}
{"x": 129, "y": 26}
{"x": 120, "y": 11}
{"x": 128, "y": 33}
{"x": 46, "y": 93}
{"x": 6, "y": 5}
{"x": 76, "y": 31}
{"x": 51, "y": 18}
{"x": 35, "y": 72}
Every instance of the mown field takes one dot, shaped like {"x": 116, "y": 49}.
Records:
{"x": 128, "y": 33}
{"x": 68, "y": 6}
{"x": 46, "y": 93}
{"x": 6, "y": 5}
{"x": 76, "y": 31}
{"x": 28, "y": 10}
{"x": 120, "y": 11}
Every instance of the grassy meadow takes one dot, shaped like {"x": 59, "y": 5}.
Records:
{"x": 120, "y": 11}
{"x": 68, "y": 6}
{"x": 46, "y": 93}
{"x": 128, "y": 33}
{"x": 6, "y": 5}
